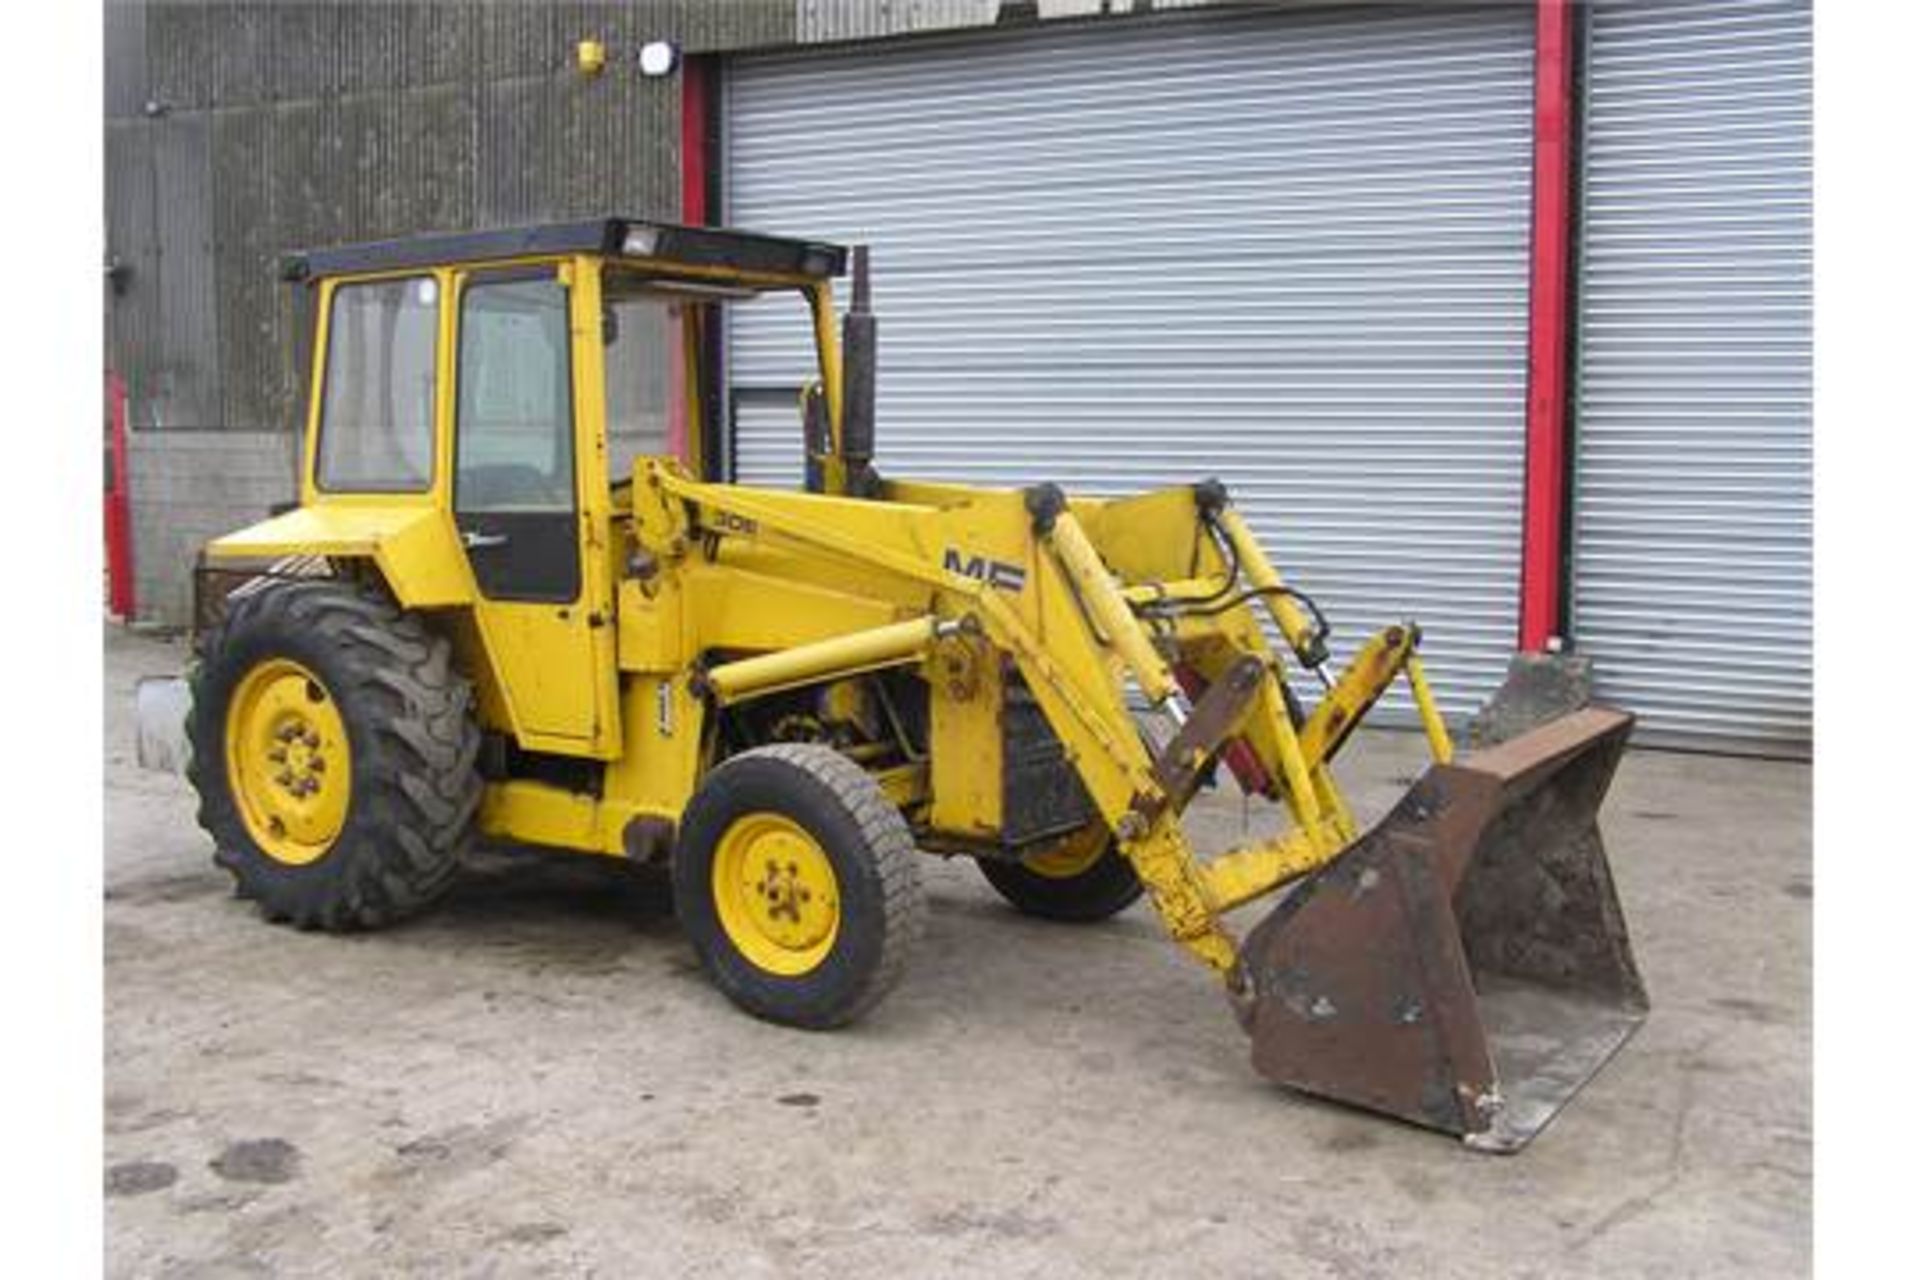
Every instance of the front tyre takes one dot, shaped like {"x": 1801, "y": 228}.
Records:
{"x": 798, "y": 883}
{"x": 333, "y": 753}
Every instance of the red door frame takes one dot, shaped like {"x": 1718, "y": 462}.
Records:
{"x": 119, "y": 520}
{"x": 1542, "y": 558}
{"x": 696, "y": 101}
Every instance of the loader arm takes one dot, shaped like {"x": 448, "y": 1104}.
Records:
{"x": 1091, "y": 628}
{"x": 1066, "y": 672}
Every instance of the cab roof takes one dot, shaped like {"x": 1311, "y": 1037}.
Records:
{"x": 639, "y": 238}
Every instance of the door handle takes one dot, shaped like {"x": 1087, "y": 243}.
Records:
{"x": 474, "y": 540}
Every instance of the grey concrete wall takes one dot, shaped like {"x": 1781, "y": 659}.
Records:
{"x": 187, "y": 487}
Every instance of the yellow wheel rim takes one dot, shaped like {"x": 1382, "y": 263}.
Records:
{"x": 776, "y": 894}
{"x": 288, "y": 763}
{"x": 1070, "y": 856}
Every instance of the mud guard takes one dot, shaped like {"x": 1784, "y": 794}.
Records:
{"x": 1465, "y": 965}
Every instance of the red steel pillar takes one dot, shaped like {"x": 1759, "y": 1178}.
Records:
{"x": 119, "y": 519}
{"x": 1542, "y": 587}
{"x": 696, "y": 89}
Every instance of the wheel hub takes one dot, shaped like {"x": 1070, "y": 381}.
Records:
{"x": 1071, "y": 855}
{"x": 777, "y": 895}
{"x": 288, "y": 761}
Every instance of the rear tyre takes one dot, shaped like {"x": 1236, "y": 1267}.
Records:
{"x": 798, "y": 883}
{"x": 333, "y": 753}
{"x": 1081, "y": 879}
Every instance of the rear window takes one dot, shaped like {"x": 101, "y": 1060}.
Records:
{"x": 376, "y": 408}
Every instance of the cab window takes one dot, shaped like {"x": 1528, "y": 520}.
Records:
{"x": 376, "y": 407}
{"x": 640, "y": 329}
{"x": 514, "y": 446}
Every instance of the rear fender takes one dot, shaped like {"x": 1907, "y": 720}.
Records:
{"x": 414, "y": 545}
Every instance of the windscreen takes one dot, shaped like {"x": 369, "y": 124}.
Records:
{"x": 376, "y": 414}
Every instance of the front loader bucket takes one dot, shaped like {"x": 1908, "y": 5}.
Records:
{"x": 1464, "y": 965}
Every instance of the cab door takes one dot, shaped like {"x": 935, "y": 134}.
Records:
{"x": 523, "y": 509}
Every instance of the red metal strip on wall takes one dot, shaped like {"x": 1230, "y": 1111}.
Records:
{"x": 696, "y": 84}
{"x": 1541, "y": 567}
{"x": 119, "y": 520}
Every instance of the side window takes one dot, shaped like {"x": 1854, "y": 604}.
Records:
{"x": 514, "y": 436}
{"x": 376, "y": 408}
{"x": 636, "y": 331}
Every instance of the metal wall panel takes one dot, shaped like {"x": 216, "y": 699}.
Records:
{"x": 823, "y": 21}
{"x": 244, "y": 268}
{"x": 186, "y": 390}
{"x": 1287, "y": 249}
{"x": 179, "y": 51}
{"x": 1693, "y": 511}
{"x": 124, "y": 35}
{"x": 133, "y": 311}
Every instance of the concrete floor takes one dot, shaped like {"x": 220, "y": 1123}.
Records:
{"x": 536, "y": 1080}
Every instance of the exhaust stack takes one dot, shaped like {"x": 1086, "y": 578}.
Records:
{"x": 858, "y": 334}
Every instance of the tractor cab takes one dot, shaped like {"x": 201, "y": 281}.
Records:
{"x": 609, "y": 327}
{"x": 479, "y": 404}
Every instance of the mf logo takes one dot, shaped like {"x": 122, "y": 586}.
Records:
{"x": 995, "y": 573}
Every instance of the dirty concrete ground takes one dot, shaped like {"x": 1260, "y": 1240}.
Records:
{"x": 536, "y": 1080}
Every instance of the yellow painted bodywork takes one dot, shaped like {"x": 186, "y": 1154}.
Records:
{"x": 414, "y": 544}
{"x": 552, "y": 666}
{"x": 965, "y": 745}
{"x": 698, "y": 598}
{"x": 833, "y": 658}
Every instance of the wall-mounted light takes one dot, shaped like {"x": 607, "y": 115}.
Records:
{"x": 591, "y": 57}
{"x": 659, "y": 58}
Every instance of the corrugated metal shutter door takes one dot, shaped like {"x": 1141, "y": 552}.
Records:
{"x": 1289, "y": 250}
{"x": 1693, "y": 534}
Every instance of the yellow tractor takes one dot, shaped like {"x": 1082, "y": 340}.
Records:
{"x": 512, "y": 604}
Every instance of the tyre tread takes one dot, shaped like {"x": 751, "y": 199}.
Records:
{"x": 419, "y": 802}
